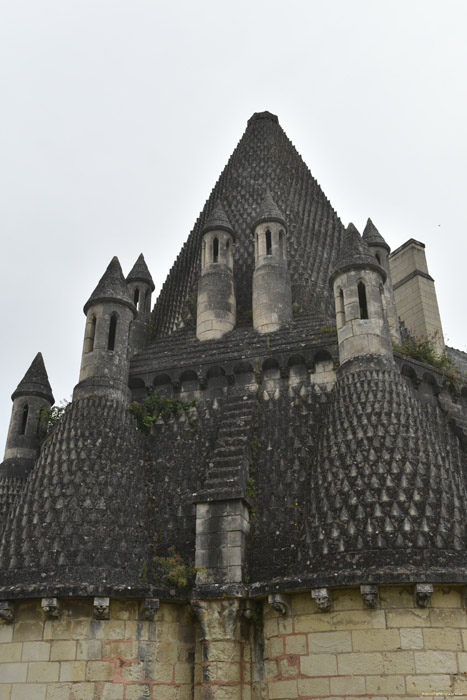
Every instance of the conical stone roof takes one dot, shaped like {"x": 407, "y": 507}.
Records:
{"x": 140, "y": 273}
{"x": 265, "y": 160}
{"x": 372, "y": 236}
{"x": 35, "y": 382}
{"x": 111, "y": 287}
{"x": 268, "y": 211}
{"x": 355, "y": 254}
{"x": 218, "y": 221}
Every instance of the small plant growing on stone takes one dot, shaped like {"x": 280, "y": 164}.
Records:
{"x": 154, "y": 406}
{"x": 424, "y": 350}
{"x": 328, "y": 328}
{"x": 171, "y": 570}
{"x": 49, "y": 417}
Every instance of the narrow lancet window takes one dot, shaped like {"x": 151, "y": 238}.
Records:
{"x": 268, "y": 242}
{"x": 90, "y": 335}
{"x": 362, "y": 301}
{"x": 378, "y": 257}
{"x": 24, "y": 419}
{"x": 340, "y": 309}
{"x": 112, "y": 332}
{"x": 136, "y": 297}
{"x": 215, "y": 250}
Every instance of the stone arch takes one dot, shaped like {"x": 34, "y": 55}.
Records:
{"x": 244, "y": 373}
{"x": 138, "y": 388}
{"x": 189, "y": 380}
{"x": 162, "y": 384}
{"x": 215, "y": 377}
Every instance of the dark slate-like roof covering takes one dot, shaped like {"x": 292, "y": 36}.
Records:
{"x": 264, "y": 161}
{"x": 35, "y": 382}
{"x": 355, "y": 254}
{"x": 372, "y": 236}
{"x": 218, "y": 220}
{"x": 140, "y": 273}
{"x": 268, "y": 211}
{"x": 111, "y": 287}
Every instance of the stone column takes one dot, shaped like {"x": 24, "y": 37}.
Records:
{"x": 221, "y": 650}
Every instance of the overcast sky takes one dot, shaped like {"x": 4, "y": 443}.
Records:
{"x": 117, "y": 117}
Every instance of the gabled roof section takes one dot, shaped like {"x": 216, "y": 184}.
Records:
{"x": 372, "y": 236}
{"x": 264, "y": 161}
{"x": 111, "y": 287}
{"x": 35, "y": 382}
{"x": 268, "y": 211}
{"x": 218, "y": 221}
{"x": 355, "y": 254}
{"x": 140, "y": 273}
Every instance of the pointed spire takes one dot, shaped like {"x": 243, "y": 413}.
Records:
{"x": 218, "y": 220}
{"x": 355, "y": 253}
{"x": 140, "y": 273}
{"x": 35, "y": 382}
{"x": 372, "y": 236}
{"x": 268, "y": 211}
{"x": 111, "y": 287}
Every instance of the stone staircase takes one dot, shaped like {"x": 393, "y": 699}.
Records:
{"x": 228, "y": 465}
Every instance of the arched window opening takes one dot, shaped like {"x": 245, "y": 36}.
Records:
{"x": 203, "y": 255}
{"x": 340, "y": 309}
{"x": 215, "y": 250}
{"x": 378, "y": 257}
{"x": 90, "y": 335}
{"x": 268, "y": 242}
{"x": 112, "y": 332}
{"x": 136, "y": 297}
{"x": 256, "y": 247}
{"x": 362, "y": 301}
{"x": 281, "y": 243}
{"x": 24, "y": 419}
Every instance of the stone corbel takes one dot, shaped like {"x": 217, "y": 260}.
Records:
{"x": 51, "y": 608}
{"x": 101, "y": 608}
{"x": 423, "y": 593}
{"x": 251, "y": 609}
{"x": 148, "y": 608}
{"x": 280, "y": 603}
{"x": 7, "y": 611}
{"x": 322, "y": 596}
{"x": 285, "y": 372}
{"x": 369, "y": 594}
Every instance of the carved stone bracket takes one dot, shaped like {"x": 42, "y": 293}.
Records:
{"x": 148, "y": 608}
{"x": 101, "y": 607}
{"x": 423, "y": 593}
{"x": 7, "y": 611}
{"x": 230, "y": 379}
{"x": 51, "y": 608}
{"x": 369, "y": 594}
{"x": 251, "y": 609}
{"x": 285, "y": 372}
{"x": 176, "y": 386}
{"x": 280, "y": 603}
{"x": 322, "y": 596}
{"x": 219, "y": 619}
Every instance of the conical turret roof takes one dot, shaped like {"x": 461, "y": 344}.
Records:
{"x": 140, "y": 273}
{"x": 372, "y": 236}
{"x": 265, "y": 160}
{"x": 268, "y": 211}
{"x": 111, "y": 287}
{"x": 35, "y": 382}
{"x": 355, "y": 254}
{"x": 218, "y": 220}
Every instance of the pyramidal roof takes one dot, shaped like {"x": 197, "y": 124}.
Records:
{"x": 264, "y": 161}
{"x": 111, "y": 287}
{"x": 218, "y": 220}
{"x": 35, "y": 382}
{"x": 140, "y": 272}
{"x": 268, "y": 211}
{"x": 355, "y": 253}
{"x": 372, "y": 236}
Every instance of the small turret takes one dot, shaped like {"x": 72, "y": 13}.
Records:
{"x": 32, "y": 394}
{"x": 272, "y": 294}
{"x": 358, "y": 281}
{"x": 217, "y": 307}
{"x": 381, "y": 250}
{"x": 105, "y": 359}
{"x": 140, "y": 286}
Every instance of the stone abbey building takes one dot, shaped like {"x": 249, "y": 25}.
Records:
{"x": 313, "y": 475}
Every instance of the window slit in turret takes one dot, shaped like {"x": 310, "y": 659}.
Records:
{"x": 378, "y": 257}
{"x": 24, "y": 419}
{"x": 268, "y": 242}
{"x": 136, "y": 297}
{"x": 215, "y": 250}
{"x": 112, "y": 333}
{"x": 362, "y": 301}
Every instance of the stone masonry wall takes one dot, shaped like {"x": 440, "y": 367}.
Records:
{"x": 80, "y": 658}
{"x": 394, "y": 651}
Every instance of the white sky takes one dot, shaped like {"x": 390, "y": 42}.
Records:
{"x": 117, "y": 117}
